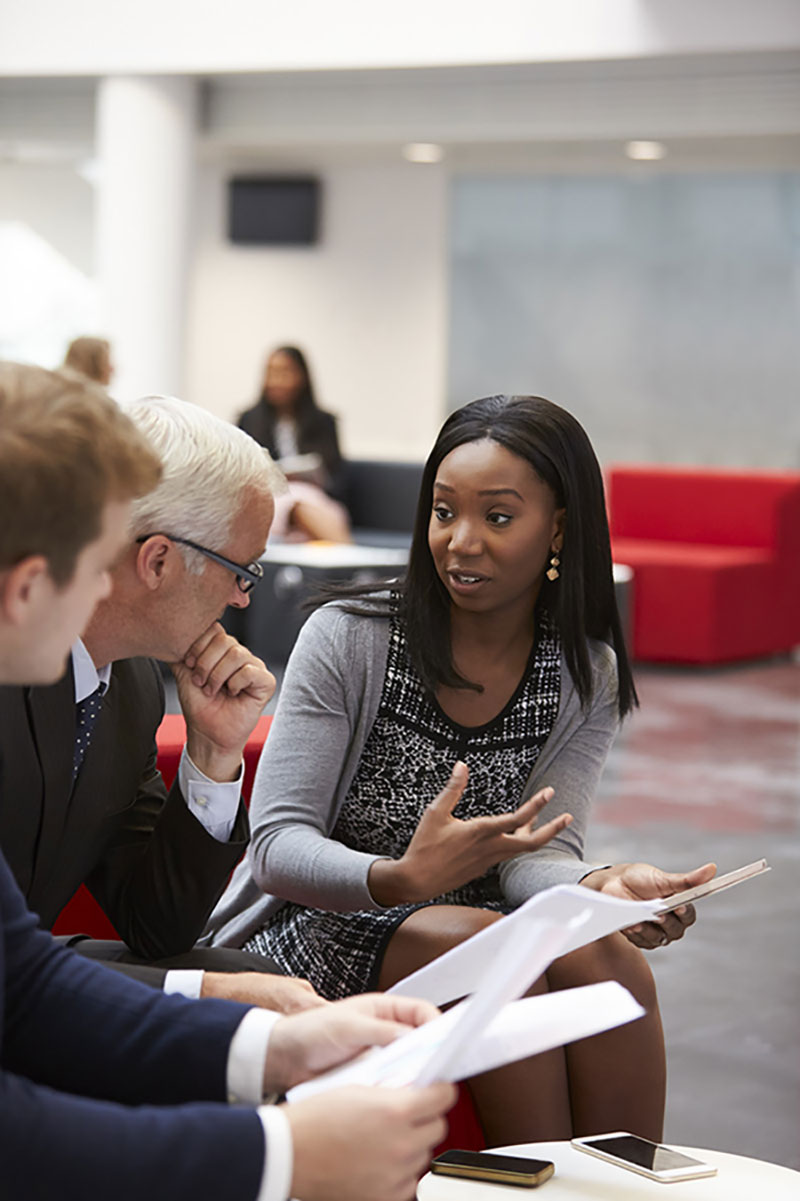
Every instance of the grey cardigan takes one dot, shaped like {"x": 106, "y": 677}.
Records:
{"x": 328, "y": 703}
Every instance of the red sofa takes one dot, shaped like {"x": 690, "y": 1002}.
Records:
{"x": 83, "y": 915}
{"x": 716, "y": 560}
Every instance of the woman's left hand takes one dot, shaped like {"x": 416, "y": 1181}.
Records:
{"x": 643, "y": 882}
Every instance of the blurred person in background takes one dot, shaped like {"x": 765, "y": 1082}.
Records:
{"x": 302, "y": 438}
{"x": 90, "y": 357}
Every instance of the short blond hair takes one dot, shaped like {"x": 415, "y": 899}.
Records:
{"x": 66, "y": 449}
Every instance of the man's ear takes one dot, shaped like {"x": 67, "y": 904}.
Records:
{"x": 154, "y": 560}
{"x": 22, "y": 587}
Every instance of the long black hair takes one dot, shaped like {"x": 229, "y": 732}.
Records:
{"x": 581, "y": 601}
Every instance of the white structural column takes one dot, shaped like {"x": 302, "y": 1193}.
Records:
{"x": 145, "y": 147}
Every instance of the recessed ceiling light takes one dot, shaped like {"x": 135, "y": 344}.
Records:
{"x": 423, "y": 152}
{"x": 645, "y": 151}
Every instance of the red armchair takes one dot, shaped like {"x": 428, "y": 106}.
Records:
{"x": 716, "y": 560}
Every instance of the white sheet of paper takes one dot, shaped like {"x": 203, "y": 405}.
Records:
{"x": 535, "y": 1024}
{"x": 715, "y": 885}
{"x": 521, "y": 1028}
{"x": 459, "y": 972}
{"x": 502, "y": 969}
{"x": 532, "y": 945}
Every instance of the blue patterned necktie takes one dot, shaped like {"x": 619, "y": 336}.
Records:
{"x": 87, "y": 712}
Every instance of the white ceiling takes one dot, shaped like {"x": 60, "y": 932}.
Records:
{"x": 712, "y": 112}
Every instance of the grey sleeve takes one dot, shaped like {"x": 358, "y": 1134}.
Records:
{"x": 571, "y": 762}
{"x": 308, "y": 760}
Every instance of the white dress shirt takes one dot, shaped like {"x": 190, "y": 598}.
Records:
{"x": 245, "y": 1080}
{"x": 215, "y": 806}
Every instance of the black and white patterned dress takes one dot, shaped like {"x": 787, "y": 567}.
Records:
{"x": 406, "y": 762}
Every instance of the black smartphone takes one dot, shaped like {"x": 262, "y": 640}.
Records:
{"x": 494, "y": 1169}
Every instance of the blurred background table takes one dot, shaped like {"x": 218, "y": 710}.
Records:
{"x": 292, "y": 573}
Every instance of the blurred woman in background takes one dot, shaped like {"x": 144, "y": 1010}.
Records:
{"x": 302, "y": 438}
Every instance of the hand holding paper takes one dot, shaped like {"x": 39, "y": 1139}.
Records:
{"x": 637, "y": 881}
{"x": 485, "y": 1031}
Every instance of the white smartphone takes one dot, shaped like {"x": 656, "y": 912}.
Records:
{"x": 653, "y": 1160}
{"x": 717, "y": 884}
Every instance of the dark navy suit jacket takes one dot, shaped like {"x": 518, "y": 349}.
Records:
{"x": 106, "y": 1086}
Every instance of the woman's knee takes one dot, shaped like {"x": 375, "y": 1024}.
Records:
{"x": 610, "y": 958}
{"x": 428, "y": 933}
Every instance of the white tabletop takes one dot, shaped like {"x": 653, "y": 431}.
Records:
{"x": 584, "y": 1177}
{"x": 334, "y": 554}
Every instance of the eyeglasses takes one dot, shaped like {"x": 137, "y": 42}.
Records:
{"x": 246, "y": 577}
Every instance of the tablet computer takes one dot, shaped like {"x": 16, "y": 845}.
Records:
{"x": 690, "y": 895}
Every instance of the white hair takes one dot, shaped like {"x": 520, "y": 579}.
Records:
{"x": 207, "y": 465}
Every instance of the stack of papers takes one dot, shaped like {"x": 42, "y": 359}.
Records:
{"x": 492, "y": 970}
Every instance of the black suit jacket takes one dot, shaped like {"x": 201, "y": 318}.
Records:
{"x": 104, "y": 1084}
{"x": 152, "y": 866}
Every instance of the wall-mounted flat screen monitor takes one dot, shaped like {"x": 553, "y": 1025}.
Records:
{"x": 272, "y": 210}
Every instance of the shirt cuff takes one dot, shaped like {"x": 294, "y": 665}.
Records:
{"x": 186, "y": 981}
{"x": 278, "y": 1155}
{"x": 215, "y": 805}
{"x": 248, "y": 1055}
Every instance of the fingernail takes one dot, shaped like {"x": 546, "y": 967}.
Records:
{"x": 197, "y": 679}
{"x": 190, "y": 660}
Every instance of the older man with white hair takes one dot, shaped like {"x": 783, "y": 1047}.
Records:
{"x": 84, "y": 750}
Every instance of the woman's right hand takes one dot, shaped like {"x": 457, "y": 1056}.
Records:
{"x": 446, "y": 852}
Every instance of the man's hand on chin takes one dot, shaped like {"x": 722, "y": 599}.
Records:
{"x": 222, "y": 689}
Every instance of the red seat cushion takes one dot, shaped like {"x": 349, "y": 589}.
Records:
{"x": 464, "y": 1130}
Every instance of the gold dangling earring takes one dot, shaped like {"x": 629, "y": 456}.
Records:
{"x": 555, "y": 562}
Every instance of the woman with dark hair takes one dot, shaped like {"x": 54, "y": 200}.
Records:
{"x": 288, "y": 422}
{"x": 302, "y": 438}
{"x": 500, "y": 652}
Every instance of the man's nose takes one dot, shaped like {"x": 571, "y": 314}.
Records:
{"x": 239, "y": 599}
